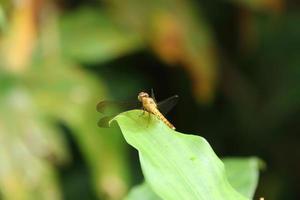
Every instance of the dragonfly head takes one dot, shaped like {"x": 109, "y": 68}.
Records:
{"x": 142, "y": 95}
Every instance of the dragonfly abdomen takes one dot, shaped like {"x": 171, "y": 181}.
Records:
{"x": 162, "y": 118}
{"x": 150, "y": 105}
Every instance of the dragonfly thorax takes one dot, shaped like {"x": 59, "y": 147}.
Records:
{"x": 147, "y": 102}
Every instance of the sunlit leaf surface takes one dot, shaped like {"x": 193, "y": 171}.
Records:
{"x": 176, "y": 165}
{"x": 243, "y": 174}
{"x": 142, "y": 191}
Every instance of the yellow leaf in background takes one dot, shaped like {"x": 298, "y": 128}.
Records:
{"x": 19, "y": 41}
{"x": 177, "y": 35}
{"x": 177, "y": 39}
{"x": 167, "y": 37}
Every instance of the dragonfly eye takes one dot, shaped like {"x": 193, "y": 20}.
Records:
{"x": 142, "y": 95}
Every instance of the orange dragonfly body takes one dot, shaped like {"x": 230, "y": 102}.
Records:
{"x": 148, "y": 104}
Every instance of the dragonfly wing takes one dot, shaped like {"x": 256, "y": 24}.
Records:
{"x": 104, "y": 121}
{"x": 109, "y": 107}
{"x": 166, "y": 105}
{"x": 103, "y": 106}
{"x": 152, "y": 94}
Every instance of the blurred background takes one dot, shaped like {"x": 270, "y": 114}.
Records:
{"x": 234, "y": 63}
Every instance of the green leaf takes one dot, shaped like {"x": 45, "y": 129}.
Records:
{"x": 242, "y": 173}
{"x": 176, "y": 165}
{"x": 142, "y": 191}
{"x": 90, "y": 36}
{"x": 28, "y": 147}
{"x": 70, "y": 94}
{"x": 2, "y": 19}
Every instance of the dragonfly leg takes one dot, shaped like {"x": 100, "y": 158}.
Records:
{"x": 148, "y": 120}
{"x": 143, "y": 113}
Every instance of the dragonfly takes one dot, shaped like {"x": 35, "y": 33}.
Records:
{"x": 145, "y": 102}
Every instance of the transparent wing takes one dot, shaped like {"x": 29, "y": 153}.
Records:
{"x": 104, "y": 121}
{"x": 106, "y": 107}
{"x": 152, "y": 94}
{"x": 166, "y": 105}
{"x": 112, "y": 108}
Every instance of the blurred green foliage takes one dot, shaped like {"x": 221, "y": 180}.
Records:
{"x": 235, "y": 65}
{"x": 93, "y": 28}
